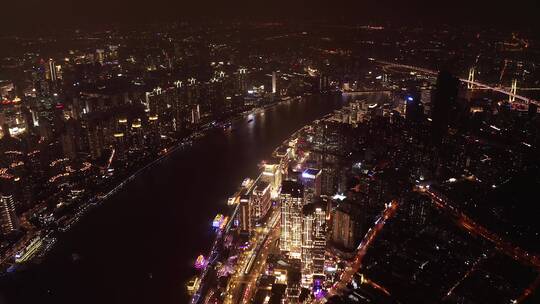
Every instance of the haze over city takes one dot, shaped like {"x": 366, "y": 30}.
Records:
{"x": 269, "y": 152}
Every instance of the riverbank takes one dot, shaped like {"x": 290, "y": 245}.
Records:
{"x": 47, "y": 240}
{"x": 140, "y": 246}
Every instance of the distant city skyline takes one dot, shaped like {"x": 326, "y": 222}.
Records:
{"x": 269, "y": 153}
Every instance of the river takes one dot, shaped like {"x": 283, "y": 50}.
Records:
{"x": 140, "y": 246}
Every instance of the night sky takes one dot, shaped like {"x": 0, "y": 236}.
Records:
{"x": 53, "y": 14}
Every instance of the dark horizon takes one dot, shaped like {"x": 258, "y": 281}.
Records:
{"x": 31, "y": 16}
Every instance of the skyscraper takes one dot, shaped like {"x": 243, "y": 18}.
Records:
{"x": 137, "y": 135}
{"x": 274, "y": 82}
{"x": 444, "y": 102}
{"x": 244, "y": 216}
{"x": 195, "y": 114}
{"x": 260, "y": 202}
{"x": 242, "y": 81}
{"x": 413, "y": 107}
{"x": 100, "y": 55}
{"x": 311, "y": 179}
{"x": 292, "y": 201}
{"x": 39, "y": 75}
{"x": 323, "y": 83}
{"x": 153, "y": 138}
{"x": 51, "y": 71}
{"x": 69, "y": 140}
{"x": 95, "y": 139}
{"x": 313, "y": 242}
{"x": 8, "y": 218}
{"x": 120, "y": 146}
{"x": 272, "y": 175}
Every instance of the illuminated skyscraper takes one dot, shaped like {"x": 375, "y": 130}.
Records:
{"x": 215, "y": 95}
{"x": 51, "y": 71}
{"x": 155, "y": 101}
{"x": 122, "y": 125}
{"x": 154, "y": 138}
{"x": 311, "y": 179}
{"x": 292, "y": 201}
{"x": 272, "y": 175}
{"x": 413, "y": 107}
{"x": 195, "y": 114}
{"x": 313, "y": 242}
{"x": 193, "y": 94}
{"x": 260, "y": 202}
{"x": 8, "y": 218}
{"x": 39, "y": 77}
{"x": 274, "y": 82}
{"x": 244, "y": 216}
{"x": 137, "y": 135}
{"x": 113, "y": 52}
{"x": 242, "y": 81}
{"x": 100, "y": 55}
{"x": 120, "y": 146}
{"x": 329, "y": 137}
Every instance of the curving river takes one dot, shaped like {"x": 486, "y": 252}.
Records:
{"x": 140, "y": 246}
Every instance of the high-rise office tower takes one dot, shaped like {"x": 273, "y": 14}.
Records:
{"x": 215, "y": 95}
{"x": 122, "y": 125}
{"x": 272, "y": 175}
{"x": 40, "y": 77}
{"x": 195, "y": 114}
{"x": 100, "y": 55}
{"x": 95, "y": 139}
{"x": 244, "y": 216}
{"x": 193, "y": 94}
{"x": 51, "y": 71}
{"x": 413, "y": 107}
{"x": 155, "y": 101}
{"x": 444, "y": 102}
{"x": 324, "y": 85}
{"x": 8, "y": 218}
{"x": 274, "y": 82}
{"x": 120, "y": 146}
{"x": 329, "y": 137}
{"x": 242, "y": 81}
{"x": 59, "y": 72}
{"x": 260, "y": 202}
{"x": 113, "y": 52}
{"x": 292, "y": 202}
{"x": 311, "y": 179}
{"x": 313, "y": 242}
{"x": 69, "y": 140}
{"x": 137, "y": 135}
{"x": 154, "y": 137}
{"x": 425, "y": 97}
{"x": 345, "y": 226}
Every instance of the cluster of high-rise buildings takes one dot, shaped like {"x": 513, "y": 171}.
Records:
{"x": 75, "y": 125}
{"x": 334, "y": 179}
{"x": 78, "y": 122}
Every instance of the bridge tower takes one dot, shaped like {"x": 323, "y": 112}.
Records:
{"x": 472, "y": 72}
{"x": 513, "y": 91}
